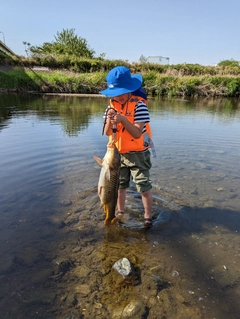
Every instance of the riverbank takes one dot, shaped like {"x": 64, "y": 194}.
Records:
{"x": 171, "y": 83}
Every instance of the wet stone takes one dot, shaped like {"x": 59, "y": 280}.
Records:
{"x": 135, "y": 309}
{"x": 153, "y": 300}
{"x": 66, "y": 202}
{"x": 124, "y": 267}
{"x": 216, "y": 178}
{"x": 63, "y": 266}
{"x": 117, "y": 313}
{"x": 233, "y": 196}
{"x": 193, "y": 192}
{"x": 156, "y": 279}
{"x": 55, "y": 221}
{"x": 71, "y": 300}
{"x": 179, "y": 297}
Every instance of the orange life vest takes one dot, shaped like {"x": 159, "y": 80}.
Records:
{"x": 125, "y": 142}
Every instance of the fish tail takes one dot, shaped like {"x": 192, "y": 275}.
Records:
{"x": 109, "y": 210}
{"x": 108, "y": 222}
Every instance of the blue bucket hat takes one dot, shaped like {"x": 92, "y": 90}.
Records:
{"x": 120, "y": 81}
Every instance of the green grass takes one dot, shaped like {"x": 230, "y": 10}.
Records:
{"x": 154, "y": 82}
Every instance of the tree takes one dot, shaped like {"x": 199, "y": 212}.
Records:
{"x": 230, "y": 63}
{"x": 27, "y": 46}
{"x": 66, "y": 43}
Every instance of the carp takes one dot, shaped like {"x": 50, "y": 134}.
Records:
{"x": 108, "y": 181}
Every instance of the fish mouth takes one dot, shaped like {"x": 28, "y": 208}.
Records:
{"x": 111, "y": 144}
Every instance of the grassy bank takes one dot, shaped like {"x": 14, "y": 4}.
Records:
{"x": 172, "y": 82}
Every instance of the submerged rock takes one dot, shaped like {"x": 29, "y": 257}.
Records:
{"x": 135, "y": 309}
{"x": 124, "y": 267}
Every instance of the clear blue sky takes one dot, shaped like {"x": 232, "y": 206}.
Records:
{"x": 191, "y": 31}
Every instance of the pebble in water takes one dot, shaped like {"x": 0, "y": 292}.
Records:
{"x": 135, "y": 309}
{"x": 175, "y": 273}
{"x": 124, "y": 267}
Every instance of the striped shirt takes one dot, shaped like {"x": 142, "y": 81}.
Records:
{"x": 141, "y": 114}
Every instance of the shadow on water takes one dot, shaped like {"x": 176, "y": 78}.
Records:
{"x": 204, "y": 244}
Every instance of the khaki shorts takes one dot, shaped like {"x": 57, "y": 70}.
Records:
{"x": 136, "y": 165}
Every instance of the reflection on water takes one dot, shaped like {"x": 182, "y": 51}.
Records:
{"x": 57, "y": 256}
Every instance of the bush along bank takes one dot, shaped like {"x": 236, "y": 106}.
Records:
{"x": 154, "y": 82}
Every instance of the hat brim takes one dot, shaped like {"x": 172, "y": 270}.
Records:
{"x": 130, "y": 87}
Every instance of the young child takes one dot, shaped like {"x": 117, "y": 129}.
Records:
{"x": 128, "y": 118}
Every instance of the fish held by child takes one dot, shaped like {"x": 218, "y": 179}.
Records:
{"x": 108, "y": 181}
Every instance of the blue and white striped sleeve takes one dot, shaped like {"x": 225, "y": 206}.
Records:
{"x": 141, "y": 113}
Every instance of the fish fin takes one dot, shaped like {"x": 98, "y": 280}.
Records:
{"x": 98, "y": 160}
{"x": 99, "y": 190}
{"x": 113, "y": 221}
{"x": 104, "y": 209}
{"x": 109, "y": 221}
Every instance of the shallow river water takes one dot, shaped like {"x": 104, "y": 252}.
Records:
{"x": 57, "y": 255}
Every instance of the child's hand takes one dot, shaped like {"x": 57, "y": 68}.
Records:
{"x": 111, "y": 113}
{"x": 118, "y": 118}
